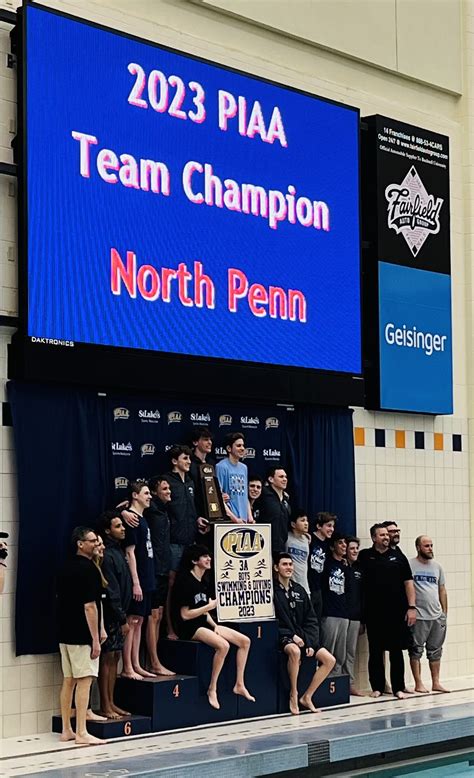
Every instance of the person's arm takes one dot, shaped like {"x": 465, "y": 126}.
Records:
{"x": 103, "y": 633}
{"x": 113, "y": 591}
{"x": 310, "y": 625}
{"x": 92, "y": 618}
{"x": 132, "y": 563}
{"x": 443, "y": 598}
{"x": 188, "y": 613}
{"x": 250, "y": 518}
{"x": 410, "y": 593}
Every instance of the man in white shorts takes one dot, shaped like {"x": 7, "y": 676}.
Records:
{"x": 79, "y": 592}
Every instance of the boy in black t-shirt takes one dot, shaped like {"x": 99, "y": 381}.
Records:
{"x": 354, "y": 608}
{"x": 318, "y": 552}
{"x": 191, "y": 608}
{"x": 335, "y": 621}
{"x": 79, "y": 592}
{"x": 139, "y": 552}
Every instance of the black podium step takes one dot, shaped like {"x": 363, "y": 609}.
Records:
{"x": 107, "y": 730}
{"x": 333, "y": 691}
{"x": 169, "y": 701}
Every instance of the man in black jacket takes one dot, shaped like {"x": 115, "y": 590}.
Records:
{"x": 298, "y": 633}
{"x": 273, "y": 507}
{"x": 119, "y": 594}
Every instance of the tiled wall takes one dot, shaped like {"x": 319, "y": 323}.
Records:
{"x": 420, "y": 479}
{"x": 424, "y": 488}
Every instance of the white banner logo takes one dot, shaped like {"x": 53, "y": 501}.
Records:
{"x": 412, "y": 211}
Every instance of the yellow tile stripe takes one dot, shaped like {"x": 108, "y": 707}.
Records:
{"x": 359, "y": 436}
{"x": 400, "y": 439}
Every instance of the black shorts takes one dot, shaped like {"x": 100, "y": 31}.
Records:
{"x": 115, "y": 638}
{"x": 158, "y": 597}
{"x": 142, "y": 608}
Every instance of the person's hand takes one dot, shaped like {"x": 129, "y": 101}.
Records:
{"x": 238, "y": 521}
{"x": 95, "y": 650}
{"x": 251, "y": 520}
{"x": 125, "y": 629}
{"x": 137, "y": 592}
{"x": 299, "y": 641}
{"x": 410, "y": 617}
{"x": 310, "y": 651}
{"x": 103, "y": 636}
{"x": 203, "y": 525}
{"x": 225, "y": 497}
{"x": 130, "y": 518}
{"x": 211, "y": 605}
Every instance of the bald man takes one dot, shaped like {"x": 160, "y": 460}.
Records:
{"x": 429, "y": 630}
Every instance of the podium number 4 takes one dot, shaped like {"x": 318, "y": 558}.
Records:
{"x": 176, "y": 690}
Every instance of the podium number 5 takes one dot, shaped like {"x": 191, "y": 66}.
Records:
{"x": 332, "y": 687}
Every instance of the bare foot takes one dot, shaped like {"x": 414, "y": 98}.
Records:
{"x": 421, "y": 689}
{"x": 144, "y": 673}
{"x": 213, "y": 701}
{"x": 120, "y": 711}
{"x": 131, "y": 674}
{"x": 68, "y": 734}
{"x": 294, "y": 709}
{"x": 173, "y": 636}
{"x": 409, "y": 691}
{"x": 438, "y": 688}
{"x": 240, "y": 689}
{"x": 161, "y": 670}
{"x": 91, "y": 716}
{"x": 89, "y": 740}
{"x": 355, "y": 692}
{"x": 307, "y": 703}
{"x": 401, "y": 695}
{"x": 110, "y": 714}
{"x": 375, "y": 694}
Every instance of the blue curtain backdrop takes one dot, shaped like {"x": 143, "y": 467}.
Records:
{"x": 76, "y": 448}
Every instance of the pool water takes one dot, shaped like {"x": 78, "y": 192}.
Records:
{"x": 460, "y": 766}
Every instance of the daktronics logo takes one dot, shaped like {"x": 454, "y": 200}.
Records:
{"x": 225, "y": 420}
{"x": 151, "y": 417}
{"x": 121, "y": 449}
{"x": 200, "y": 418}
{"x": 174, "y": 417}
{"x": 147, "y": 449}
{"x": 121, "y": 414}
{"x": 121, "y": 482}
{"x": 249, "y": 421}
{"x": 271, "y": 453}
{"x": 412, "y": 211}
{"x": 272, "y": 423}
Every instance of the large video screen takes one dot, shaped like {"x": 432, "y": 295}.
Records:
{"x": 178, "y": 206}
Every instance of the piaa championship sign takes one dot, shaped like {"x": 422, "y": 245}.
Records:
{"x": 243, "y": 570}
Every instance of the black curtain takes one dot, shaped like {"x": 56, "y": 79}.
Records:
{"x": 60, "y": 452}
{"x": 75, "y": 448}
{"x": 320, "y": 453}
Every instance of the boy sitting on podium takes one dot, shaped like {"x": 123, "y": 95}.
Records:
{"x": 298, "y": 633}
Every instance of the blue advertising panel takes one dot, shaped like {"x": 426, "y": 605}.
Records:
{"x": 177, "y": 206}
{"x": 415, "y": 340}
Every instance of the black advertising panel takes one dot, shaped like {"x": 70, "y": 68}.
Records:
{"x": 406, "y": 265}
{"x": 412, "y": 196}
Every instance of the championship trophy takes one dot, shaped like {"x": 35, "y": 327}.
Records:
{"x": 212, "y": 496}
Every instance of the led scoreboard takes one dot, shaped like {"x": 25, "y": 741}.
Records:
{"x": 185, "y": 214}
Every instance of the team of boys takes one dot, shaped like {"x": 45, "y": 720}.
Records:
{"x": 144, "y": 561}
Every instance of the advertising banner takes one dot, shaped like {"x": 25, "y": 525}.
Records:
{"x": 243, "y": 572}
{"x": 407, "y": 267}
{"x": 415, "y": 340}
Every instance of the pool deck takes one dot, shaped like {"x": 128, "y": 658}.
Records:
{"x": 263, "y": 746}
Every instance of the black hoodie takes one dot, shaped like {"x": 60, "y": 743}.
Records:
{"x": 182, "y": 510}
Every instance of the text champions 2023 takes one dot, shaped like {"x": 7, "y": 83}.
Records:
{"x": 202, "y": 185}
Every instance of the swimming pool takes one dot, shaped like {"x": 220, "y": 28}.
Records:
{"x": 460, "y": 765}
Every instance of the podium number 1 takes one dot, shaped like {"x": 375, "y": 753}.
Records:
{"x": 259, "y": 632}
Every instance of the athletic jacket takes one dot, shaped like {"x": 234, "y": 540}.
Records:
{"x": 182, "y": 510}
{"x": 159, "y": 523}
{"x": 119, "y": 583}
{"x": 295, "y": 615}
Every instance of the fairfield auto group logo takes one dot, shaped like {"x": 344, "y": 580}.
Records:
{"x": 412, "y": 211}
